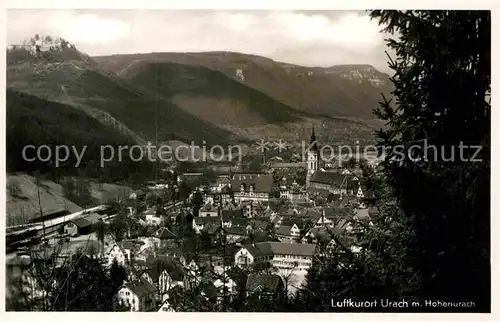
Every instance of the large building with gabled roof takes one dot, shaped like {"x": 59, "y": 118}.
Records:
{"x": 285, "y": 257}
{"x": 252, "y": 187}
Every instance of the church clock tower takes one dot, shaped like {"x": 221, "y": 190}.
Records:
{"x": 312, "y": 158}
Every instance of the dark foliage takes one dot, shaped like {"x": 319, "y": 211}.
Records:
{"x": 35, "y": 121}
{"x": 442, "y": 77}
{"x": 430, "y": 239}
{"x": 83, "y": 284}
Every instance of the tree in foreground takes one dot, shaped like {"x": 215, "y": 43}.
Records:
{"x": 50, "y": 281}
{"x": 82, "y": 284}
{"x": 442, "y": 76}
{"x": 432, "y": 243}
{"x": 117, "y": 274}
{"x": 118, "y": 227}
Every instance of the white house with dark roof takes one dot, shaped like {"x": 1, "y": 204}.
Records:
{"x": 223, "y": 282}
{"x": 301, "y": 221}
{"x": 82, "y": 225}
{"x": 276, "y": 220}
{"x": 251, "y": 208}
{"x": 230, "y": 213}
{"x": 285, "y": 257}
{"x": 316, "y": 235}
{"x": 164, "y": 272}
{"x": 245, "y": 257}
{"x": 151, "y": 217}
{"x": 252, "y": 187}
{"x": 219, "y": 197}
{"x": 267, "y": 212}
{"x": 78, "y": 226}
{"x": 222, "y": 181}
{"x": 359, "y": 193}
{"x": 334, "y": 182}
{"x": 313, "y": 235}
{"x": 139, "y": 295}
{"x": 162, "y": 237}
{"x": 288, "y": 234}
{"x": 123, "y": 251}
{"x": 297, "y": 195}
{"x": 233, "y": 234}
{"x": 267, "y": 287}
{"x": 335, "y": 217}
{"x": 209, "y": 210}
{"x": 166, "y": 307}
{"x": 201, "y": 223}
{"x": 327, "y": 238}
{"x": 118, "y": 253}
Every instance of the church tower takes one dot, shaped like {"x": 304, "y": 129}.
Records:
{"x": 312, "y": 158}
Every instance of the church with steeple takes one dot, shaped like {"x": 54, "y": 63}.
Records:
{"x": 312, "y": 158}
{"x": 332, "y": 181}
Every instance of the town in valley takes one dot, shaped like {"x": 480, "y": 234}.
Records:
{"x": 248, "y": 161}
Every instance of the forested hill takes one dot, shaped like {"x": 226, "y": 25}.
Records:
{"x": 35, "y": 121}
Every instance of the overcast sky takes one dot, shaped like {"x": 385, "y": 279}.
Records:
{"x": 310, "y": 38}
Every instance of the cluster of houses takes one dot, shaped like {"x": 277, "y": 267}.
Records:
{"x": 242, "y": 235}
{"x": 156, "y": 281}
{"x": 284, "y": 244}
{"x": 246, "y": 230}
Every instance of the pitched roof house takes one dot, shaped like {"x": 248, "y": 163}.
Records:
{"x": 228, "y": 214}
{"x": 164, "y": 272}
{"x": 252, "y": 187}
{"x": 267, "y": 212}
{"x": 283, "y": 256}
{"x": 288, "y": 234}
{"x": 163, "y": 233}
{"x": 209, "y": 210}
{"x": 266, "y": 287}
{"x": 200, "y": 223}
{"x": 334, "y": 182}
{"x": 234, "y": 234}
{"x": 254, "y": 238}
{"x": 124, "y": 251}
{"x": 82, "y": 225}
{"x": 166, "y": 306}
{"x": 139, "y": 295}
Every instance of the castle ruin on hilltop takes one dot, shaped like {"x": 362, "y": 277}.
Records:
{"x": 38, "y": 44}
